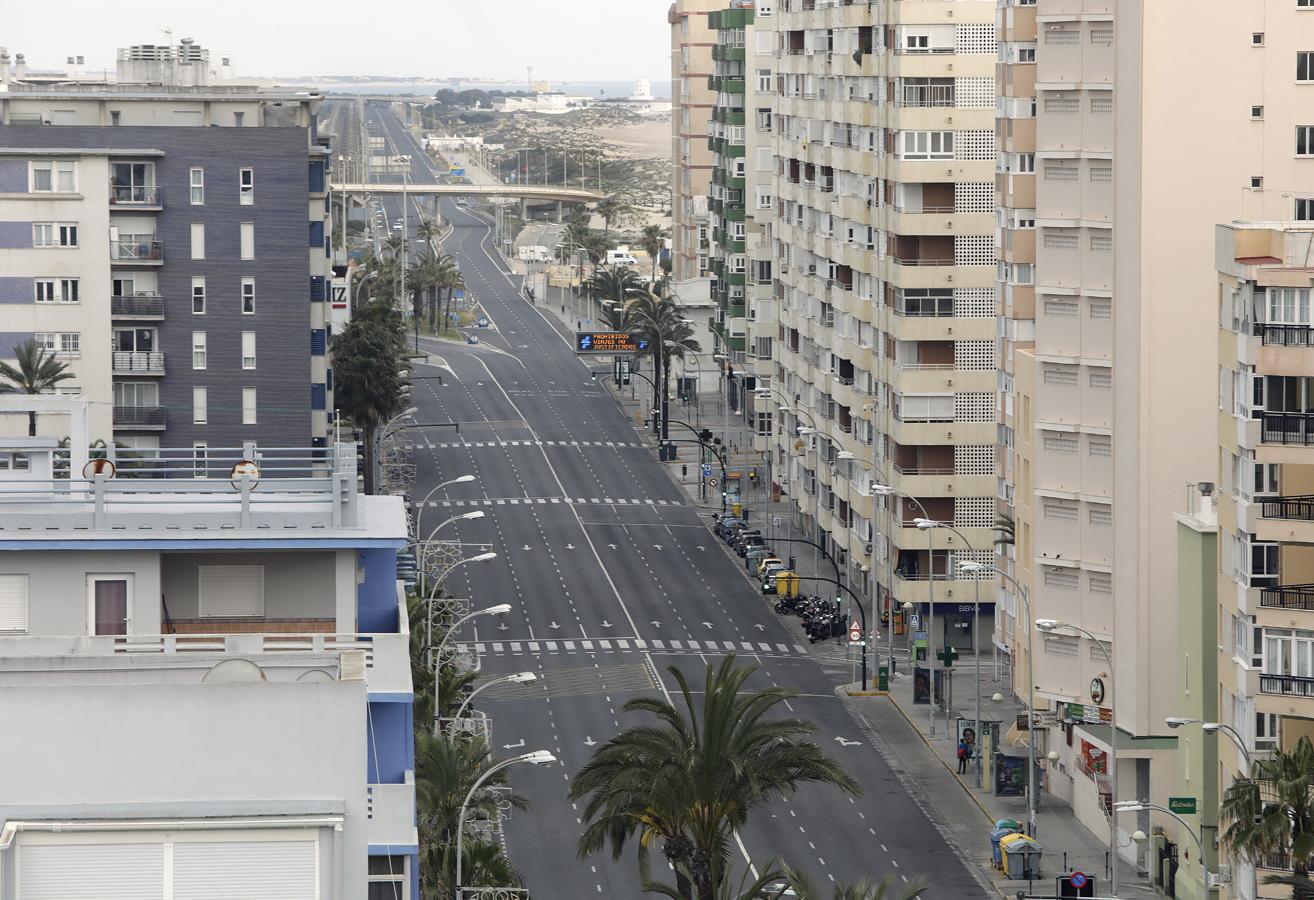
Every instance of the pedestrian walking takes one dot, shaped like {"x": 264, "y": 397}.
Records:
{"x": 964, "y": 753}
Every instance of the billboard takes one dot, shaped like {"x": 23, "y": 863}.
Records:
{"x": 609, "y": 342}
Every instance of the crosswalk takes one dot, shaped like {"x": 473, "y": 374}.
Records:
{"x": 547, "y": 501}
{"x": 613, "y": 645}
{"x": 447, "y": 445}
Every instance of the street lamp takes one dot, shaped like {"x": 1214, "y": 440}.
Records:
{"x": 927, "y": 525}
{"x": 517, "y": 678}
{"x": 1024, "y": 596}
{"x": 537, "y": 758}
{"x": 1051, "y": 625}
{"x": 884, "y": 490}
{"x": 1139, "y": 836}
{"x": 422, "y": 546}
{"x": 464, "y": 479}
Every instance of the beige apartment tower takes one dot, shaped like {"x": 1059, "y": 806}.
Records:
{"x": 692, "y": 101}
{"x": 885, "y": 285}
{"x": 1106, "y": 236}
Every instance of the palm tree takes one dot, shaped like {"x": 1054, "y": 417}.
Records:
{"x": 610, "y": 208}
{"x": 1272, "y": 814}
{"x": 770, "y": 885}
{"x": 865, "y": 889}
{"x": 661, "y": 322}
{"x": 37, "y": 372}
{"x": 690, "y": 780}
{"x": 653, "y": 242}
{"x": 616, "y": 287}
{"x": 427, "y": 231}
{"x": 369, "y": 382}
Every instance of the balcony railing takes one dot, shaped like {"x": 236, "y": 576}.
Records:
{"x": 137, "y": 250}
{"x": 921, "y": 261}
{"x": 151, "y": 362}
{"x": 1288, "y": 596}
{"x": 1285, "y": 335}
{"x": 146, "y": 417}
{"x": 1301, "y": 507}
{"x": 1287, "y": 428}
{"x": 134, "y": 194}
{"x": 1287, "y": 685}
{"x": 138, "y": 306}
{"x": 927, "y": 95}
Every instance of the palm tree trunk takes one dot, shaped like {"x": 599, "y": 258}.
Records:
{"x": 1301, "y": 891}
{"x": 368, "y": 435}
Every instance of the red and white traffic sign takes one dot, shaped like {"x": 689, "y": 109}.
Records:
{"x": 855, "y": 632}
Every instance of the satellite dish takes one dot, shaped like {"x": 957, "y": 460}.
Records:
{"x": 234, "y": 671}
{"x": 244, "y": 469}
{"x": 96, "y": 467}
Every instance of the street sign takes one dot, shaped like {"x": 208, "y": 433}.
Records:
{"x": 855, "y": 632}
{"x": 914, "y": 621}
{"x": 483, "y": 321}
{"x": 1077, "y": 880}
{"x": 707, "y": 470}
{"x": 609, "y": 342}
{"x": 1184, "y": 806}
{"x": 947, "y": 656}
{"x": 712, "y": 482}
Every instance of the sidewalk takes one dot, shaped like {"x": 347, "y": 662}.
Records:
{"x": 901, "y": 732}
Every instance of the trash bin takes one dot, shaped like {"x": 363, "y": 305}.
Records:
{"x": 1009, "y": 823}
{"x": 998, "y": 834}
{"x": 1021, "y": 857}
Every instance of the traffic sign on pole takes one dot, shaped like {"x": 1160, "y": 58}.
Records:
{"x": 855, "y": 632}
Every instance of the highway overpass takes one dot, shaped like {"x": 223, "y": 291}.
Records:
{"x": 544, "y": 192}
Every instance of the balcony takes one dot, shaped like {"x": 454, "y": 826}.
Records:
{"x": 138, "y": 362}
{"x": 390, "y": 814}
{"x": 1287, "y": 685}
{"x": 1300, "y": 508}
{"x": 135, "y": 195}
{"x": 137, "y": 251}
{"x": 1287, "y": 428}
{"x": 1287, "y": 519}
{"x": 1288, "y": 596}
{"x": 1285, "y": 335}
{"x": 139, "y": 418}
{"x": 926, "y": 95}
{"x": 137, "y": 306}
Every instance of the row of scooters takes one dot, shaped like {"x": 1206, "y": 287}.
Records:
{"x": 821, "y": 619}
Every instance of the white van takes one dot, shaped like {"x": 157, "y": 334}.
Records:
{"x": 621, "y": 256}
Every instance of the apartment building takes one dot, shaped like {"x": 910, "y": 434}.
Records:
{"x": 884, "y": 248}
{"x": 1266, "y": 476}
{"x": 168, "y": 239}
{"x": 213, "y": 674}
{"x": 692, "y": 100}
{"x": 741, "y": 208}
{"x": 1106, "y": 242}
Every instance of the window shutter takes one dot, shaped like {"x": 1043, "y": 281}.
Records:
{"x": 227, "y": 591}
{"x": 13, "y": 603}
{"x": 91, "y": 871}
{"x": 253, "y": 870}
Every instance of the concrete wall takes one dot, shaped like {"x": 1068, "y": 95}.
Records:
{"x": 297, "y": 585}
{"x": 191, "y": 751}
{"x": 57, "y": 587}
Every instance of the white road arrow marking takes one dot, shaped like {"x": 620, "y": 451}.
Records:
{"x": 700, "y": 548}
{"x": 606, "y": 624}
{"x": 842, "y": 742}
{"x": 612, "y": 546}
{"x": 589, "y": 742}
{"x": 526, "y": 547}
{"x": 656, "y": 624}
{"x": 570, "y": 546}
{"x": 708, "y": 624}
{"x": 760, "y": 627}
{"x": 514, "y": 746}
{"x": 657, "y": 547}
{"x": 554, "y": 626}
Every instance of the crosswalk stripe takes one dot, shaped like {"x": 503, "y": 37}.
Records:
{"x": 765, "y": 646}
{"x": 588, "y": 645}
{"x": 800, "y": 648}
{"x": 747, "y": 646}
{"x": 640, "y": 643}
{"x": 613, "y": 645}
{"x": 782, "y": 648}
{"x": 622, "y": 645}
{"x": 675, "y": 645}
{"x": 552, "y": 645}
{"x": 533, "y": 646}
{"x": 479, "y": 648}
{"x": 497, "y": 648}
{"x": 660, "y": 645}
{"x": 729, "y": 645}
{"x": 515, "y": 647}
{"x": 604, "y": 645}
{"x": 570, "y": 645}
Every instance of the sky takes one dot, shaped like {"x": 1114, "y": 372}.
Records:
{"x": 565, "y": 40}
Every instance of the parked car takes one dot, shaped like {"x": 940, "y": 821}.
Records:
{"x": 767, "y": 563}
{"x": 749, "y": 543}
{"x": 753, "y": 558}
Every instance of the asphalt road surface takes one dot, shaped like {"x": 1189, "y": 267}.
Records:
{"x": 614, "y": 577}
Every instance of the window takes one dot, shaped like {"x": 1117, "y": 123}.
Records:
{"x": 13, "y": 603}
{"x": 1305, "y": 140}
{"x": 1256, "y": 182}
{"x": 53, "y": 234}
{"x": 53, "y": 177}
{"x": 198, "y": 240}
{"x": 137, "y": 394}
{"x": 246, "y": 187}
{"x": 60, "y": 343}
{"x": 230, "y": 591}
{"x": 1257, "y": 39}
{"x": 198, "y": 350}
{"x": 200, "y": 459}
{"x": 197, "y": 179}
{"x": 1256, "y": 112}
{"x": 248, "y": 406}
{"x": 1304, "y": 209}
{"x": 1305, "y": 65}
{"x": 387, "y": 877}
{"x": 248, "y": 296}
{"x": 248, "y": 240}
{"x": 927, "y": 145}
{"x": 248, "y": 349}
{"x": 199, "y": 405}
{"x": 198, "y": 296}
{"x": 237, "y": 118}
{"x": 115, "y": 115}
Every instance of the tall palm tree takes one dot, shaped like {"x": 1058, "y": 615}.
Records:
{"x": 369, "y": 382}
{"x": 1272, "y": 814}
{"x": 453, "y": 281}
{"x": 661, "y": 321}
{"x": 692, "y": 778}
{"x": 611, "y": 209}
{"x": 427, "y": 231}
{"x": 616, "y": 287}
{"x": 653, "y": 242}
{"x": 37, "y": 372}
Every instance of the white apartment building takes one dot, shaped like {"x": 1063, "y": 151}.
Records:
{"x": 1109, "y": 378}
{"x": 692, "y": 99}
{"x": 885, "y": 288}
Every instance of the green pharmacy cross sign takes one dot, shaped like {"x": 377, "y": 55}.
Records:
{"x": 947, "y": 656}
{"x": 1183, "y": 806}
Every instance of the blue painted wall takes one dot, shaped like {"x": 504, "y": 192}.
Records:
{"x": 15, "y": 235}
{"x": 16, "y": 290}
{"x": 391, "y": 747}
{"x": 376, "y": 595}
{"x": 13, "y": 176}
